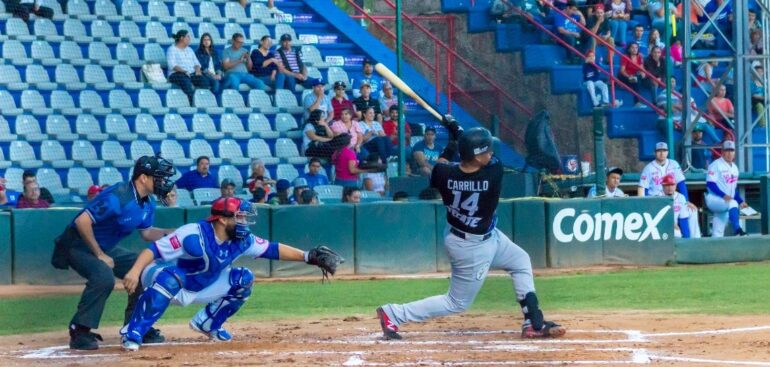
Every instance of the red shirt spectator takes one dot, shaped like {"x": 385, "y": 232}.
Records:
{"x": 31, "y": 198}
{"x": 391, "y": 127}
{"x": 631, "y": 68}
{"x": 340, "y": 100}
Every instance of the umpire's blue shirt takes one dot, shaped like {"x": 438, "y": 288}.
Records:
{"x": 116, "y": 212}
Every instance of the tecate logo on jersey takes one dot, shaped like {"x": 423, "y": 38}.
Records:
{"x": 606, "y": 226}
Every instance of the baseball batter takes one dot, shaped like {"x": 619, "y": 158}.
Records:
{"x": 194, "y": 265}
{"x": 681, "y": 214}
{"x": 470, "y": 191}
{"x": 723, "y": 198}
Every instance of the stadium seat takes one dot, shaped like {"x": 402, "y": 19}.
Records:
{"x": 267, "y": 173}
{"x": 79, "y": 180}
{"x": 212, "y": 30}
{"x": 286, "y": 124}
{"x": 10, "y": 78}
{"x": 109, "y": 176}
{"x": 124, "y": 76}
{"x": 259, "y": 100}
{"x": 257, "y": 148}
{"x": 121, "y": 102}
{"x": 117, "y": 126}
{"x": 286, "y": 171}
{"x": 36, "y": 76}
{"x": 129, "y": 31}
{"x": 62, "y": 103}
{"x": 286, "y": 150}
{"x": 52, "y": 154}
{"x": 210, "y": 13}
{"x": 22, "y": 155}
{"x": 8, "y": 104}
{"x": 49, "y": 179}
{"x": 283, "y": 28}
{"x": 113, "y": 152}
{"x": 74, "y": 30}
{"x": 184, "y": 199}
{"x": 202, "y": 124}
{"x": 84, "y": 153}
{"x": 312, "y": 57}
{"x": 79, "y": 8}
{"x": 106, "y": 9}
{"x": 177, "y": 100}
{"x": 70, "y": 51}
{"x": 157, "y": 10}
{"x": 147, "y": 127}
{"x": 153, "y": 52}
{"x": 233, "y": 102}
{"x": 68, "y": 78}
{"x": 17, "y": 29}
{"x": 231, "y": 152}
{"x": 314, "y": 73}
{"x": 231, "y": 172}
{"x": 257, "y": 31}
{"x": 205, "y": 196}
{"x": 58, "y": 14}
{"x": 156, "y": 32}
{"x": 174, "y": 125}
{"x": 233, "y": 127}
{"x": 87, "y": 127}
{"x": 233, "y": 28}
{"x": 285, "y": 101}
{"x": 44, "y": 28}
{"x": 140, "y": 148}
{"x": 132, "y": 9}
{"x": 149, "y": 101}
{"x": 258, "y": 124}
{"x": 99, "y": 53}
{"x": 262, "y": 13}
{"x": 43, "y": 53}
{"x": 97, "y": 78}
{"x": 204, "y": 100}
{"x": 28, "y": 128}
{"x": 32, "y": 102}
{"x": 178, "y": 25}
{"x": 102, "y": 31}
{"x": 336, "y": 74}
{"x": 4, "y": 163}
{"x": 328, "y": 191}
{"x": 184, "y": 10}
{"x": 127, "y": 54}
{"x": 234, "y": 12}
{"x": 91, "y": 102}
{"x": 15, "y": 53}
{"x": 57, "y": 126}
{"x": 172, "y": 150}
{"x": 199, "y": 147}
{"x": 13, "y": 179}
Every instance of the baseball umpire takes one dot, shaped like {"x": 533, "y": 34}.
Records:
{"x": 194, "y": 265}
{"x": 471, "y": 191}
{"x": 90, "y": 244}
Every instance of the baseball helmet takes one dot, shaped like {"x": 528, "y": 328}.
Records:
{"x": 228, "y": 207}
{"x": 160, "y": 170}
{"x": 473, "y": 142}
{"x": 668, "y": 180}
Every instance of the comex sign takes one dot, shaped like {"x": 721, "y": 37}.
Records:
{"x": 633, "y": 226}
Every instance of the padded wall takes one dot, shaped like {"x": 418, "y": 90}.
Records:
{"x": 651, "y": 243}
{"x": 6, "y": 250}
{"x": 34, "y": 231}
{"x": 529, "y": 229}
{"x": 564, "y": 218}
{"x": 722, "y": 250}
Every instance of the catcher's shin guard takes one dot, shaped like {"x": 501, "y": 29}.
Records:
{"x": 209, "y": 320}
{"x": 153, "y": 302}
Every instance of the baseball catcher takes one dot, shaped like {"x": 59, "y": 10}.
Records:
{"x": 194, "y": 265}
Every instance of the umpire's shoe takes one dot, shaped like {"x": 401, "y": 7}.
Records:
{"x": 550, "y": 329}
{"x": 84, "y": 339}
{"x": 153, "y": 336}
{"x": 389, "y": 329}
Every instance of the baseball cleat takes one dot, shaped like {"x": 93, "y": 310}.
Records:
{"x": 153, "y": 336}
{"x": 389, "y": 329}
{"x": 550, "y": 329}
{"x": 219, "y": 335}
{"x": 128, "y": 344}
{"x": 84, "y": 340}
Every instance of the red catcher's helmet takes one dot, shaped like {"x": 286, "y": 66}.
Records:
{"x": 668, "y": 180}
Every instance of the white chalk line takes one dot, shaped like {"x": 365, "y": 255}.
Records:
{"x": 710, "y": 332}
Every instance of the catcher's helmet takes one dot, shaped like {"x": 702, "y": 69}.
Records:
{"x": 473, "y": 142}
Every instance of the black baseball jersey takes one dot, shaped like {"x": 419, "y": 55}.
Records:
{"x": 470, "y": 198}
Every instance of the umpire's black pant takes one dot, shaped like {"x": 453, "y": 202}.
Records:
{"x": 100, "y": 281}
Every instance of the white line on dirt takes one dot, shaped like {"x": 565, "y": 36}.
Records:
{"x": 709, "y": 361}
{"x": 710, "y": 332}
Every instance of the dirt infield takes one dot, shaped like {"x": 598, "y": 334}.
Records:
{"x": 627, "y": 338}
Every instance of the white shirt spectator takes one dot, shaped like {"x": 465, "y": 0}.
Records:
{"x": 325, "y": 105}
{"x": 653, "y": 174}
{"x": 617, "y": 193}
{"x": 378, "y": 181}
{"x": 184, "y": 59}
{"x": 376, "y": 128}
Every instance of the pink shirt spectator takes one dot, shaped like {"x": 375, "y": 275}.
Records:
{"x": 23, "y": 203}
{"x": 338, "y": 127}
{"x": 676, "y": 53}
{"x": 341, "y": 165}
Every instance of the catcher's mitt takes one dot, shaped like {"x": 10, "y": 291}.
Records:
{"x": 326, "y": 259}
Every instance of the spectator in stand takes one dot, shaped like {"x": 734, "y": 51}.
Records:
{"x": 697, "y": 15}
{"x": 258, "y": 178}
{"x": 28, "y": 177}
{"x": 199, "y": 178}
{"x": 536, "y": 9}
{"x": 723, "y": 197}
{"x": 171, "y": 198}
{"x": 611, "y": 189}
{"x": 347, "y": 126}
{"x": 237, "y": 64}
{"x": 754, "y": 23}
{"x": 568, "y": 29}
{"x": 317, "y": 100}
{"x": 653, "y": 40}
{"x": 281, "y": 195}
{"x": 313, "y": 176}
{"x": 346, "y": 166}
{"x": 184, "y": 69}
{"x": 430, "y": 193}
{"x": 259, "y": 196}
{"x": 426, "y": 153}
{"x": 3, "y": 195}
{"x": 705, "y": 77}
{"x": 756, "y": 45}
{"x": 365, "y": 101}
{"x": 309, "y": 197}
{"x": 677, "y": 108}
{"x": 375, "y": 181}
{"x": 93, "y": 190}
{"x": 374, "y": 136}
{"x": 300, "y": 186}
{"x": 758, "y": 92}
{"x": 721, "y": 108}
{"x": 620, "y": 13}
{"x": 724, "y": 18}
{"x": 388, "y": 99}
{"x": 291, "y": 69}
{"x": 639, "y": 39}
{"x": 318, "y": 139}
{"x": 676, "y": 51}
{"x": 227, "y": 188}
{"x": 264, "y": 64}
{"x": 657, "y": 12}
{"x": 340, "y": 100}
{"x": 597, "y": 22}
{"x": 631, "y": 67}
{"x": 401, "y": 196}
{"x": 701, "y": 158}
{"x": 655, "y": 64}
{"x": 31, "y": 198}
{"x": 368, "y": 78}
{"x": 391, "y": 129}
{"x": 210, "y": 62}
{"x": 351, "y": 195}
{"x": 23, "y": 8}
{"x": 592, "y": 81}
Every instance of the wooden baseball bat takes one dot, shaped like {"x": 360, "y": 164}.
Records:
{"x": 396, "y": 82}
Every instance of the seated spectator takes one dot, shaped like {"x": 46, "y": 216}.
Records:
{"x": 340, "y": 100}
{"x": 502, "y": 10}
{"x": 756, "y": 45}
{"x": 568, "y": 30}
{"x": 3, "y": 196}
{"x": 259, "y": 196}
{"x": 300, "y": 186}
{"x": 705, "y": 76}
{"x": 347, "y": 126}
{"x": 598, "y": 23}
{"x": 430, "y": 193}
{"x": 291, "y": 69}
{"x": 721, "y": 108}
{"x": 374, "y": 136}
{"x": 754, "y": 23}
{"x": 317, "y": 100}
{"x": 184, "y": 69}
{"x": 724, "y": 18}
{"x": 171, "y": 198}
{"x": 365, "y": 101}
{"x": 210, "y": 63}
{"x": 620, "y": 14}
{"x": 677, "y": 109}
{"x": 264, "y": 65}
{"x": 631, "y": 67}
{"x": 309, "y": 197}
{"x": 258, "y": 178}
{"x": 677, "y": 51}
{"x": 388, "y": 99}
{"x": 8, "y": 198}
{"x": 653, "y": 40}
{"x": 391, "y": 129}
{"x": 657, "y": 12}
{"x": 426, "y": 153}
{"x": 701, "y": 158}
{"x": 237, "y": 64}
{"x": 313, "y": 176}
{"x": 31, "y": 198}
{"x": 638, "y": 38}
{"x": 536, "y": 9}
{"x": 655, "y": 64}
{"x": 346, "y": 166}
{"x": 697, "y": 15}
{"x": 23, "y": 8}
{"x": 318, "y": 139}
{"x": 30, "y": 176}
{"x": 758, "y": 92}
{"x": 401, "y": 196}
{"x": 592, "y": 80}
{"x": 199, "y": 178}
{"x": 227, "y": 188}
{"x": 611, "y": 189}
{"x": 281, "y": 195}
{"x": 375, "y": 181}
{"x": 351, "y": 195}
{"x": 369, "y": 78}
{"x": 93, "y": 191}
{"x": 679, "y": 205}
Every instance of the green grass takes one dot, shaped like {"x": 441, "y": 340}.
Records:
{"x": 718, "y": 289}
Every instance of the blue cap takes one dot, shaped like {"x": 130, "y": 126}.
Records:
{"x": 283, "y": 184}
{"x": 316, "y": 82}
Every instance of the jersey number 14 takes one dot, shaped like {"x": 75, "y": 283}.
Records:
{"x": 471, "y": 204}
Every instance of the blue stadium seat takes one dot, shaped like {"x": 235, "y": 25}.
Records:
{"x": 154, "y": 53}
{"x": 102, "y": 31}
{"x": 22, "y": 155}
{"x": 210, "y": 12}
{"x": 52, "y": 154}
{"x": 157, "y": 10}
{"x": 44, "y": 28}
{"x": 74, "y": 30}
{"x": 156, "y": 32}
{"x": 133, "y": 10}
{"x": 79, "y": 180}
{"x": 212, "y": 30}
{"x": 286, "y": 150}
{"x": 233, "y": 101}
{"x": 261, "y": 13}
{"x": 62, "y": 103}
{"x": 15, "y": 28}
{"x": 336, "y": 74}
{"x": 232, "y": 28}
{"x": 199, "y": 147}
{"x": 32, "y": 102}
{"x": 286, "y": 171}
{"x": 232, "y": 126}
{"x": 84, "y": 153}
{"x": 14, "y": 180}
{"x": 184, "y": 10}
{"x": 57, "y": 126}
{"x": 80, "y": 9}
{"x": 174, "y": 124}
{"x": 287, "y": 125}
{"x": 95, "y": 76}
{"x": 203, "y": 125}
{"x": 180, "y": 25}
{"x": 127, "y": 54}
{"x": 36, "y": 76}
{"x": 107, "y": 10}
{"x": 99, "y": 53}
{"x": 234, "y": 12}
{"x": 204, "y": 100}
{"x": 286, "y": 101}
{"x": 260, "y": 101}
{"x": 231, "y": 153}
{"x": 68, "y": 78}
{"x": 113, "y": 152}
{"x": 129, "y": 31}
{"x": 117, "y": 127}
{"x": 257, "y": 31}
{"x": 283, "y": 28}
{"x": 149, "y": 101}
{"x": 124, "y": 76}
{"x": 15, "y": 53}
{"x": 121, "y": 102}
{"x": 258, "y": 148}
{"x": 42, "y": 52}
{"x": 231, "y": 172}
{"x": 49, "y": 179}
{"x": 173, "y": 151}
{"x": 70, "y": 51}
{"x": 147, "y": 127}
{"x": 312, "y": 57}
{"x": 258, "y": 124}
{"x": 140, "y": 148}
{"x": 10, "y": 77}
{"x": 109, "y": 176}
{"x": 92, "y": 103}
{"x": 87, "y": 127}
{"x": 8, "y": 106}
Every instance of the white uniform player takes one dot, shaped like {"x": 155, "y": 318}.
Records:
{"x": 681, "y": 212}
{"x": 723, "y": 198}
{"x": 611, "y": 189}
{"x": 655, "y": 171}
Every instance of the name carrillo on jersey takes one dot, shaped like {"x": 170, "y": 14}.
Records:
{"x": 605, "y": 226}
